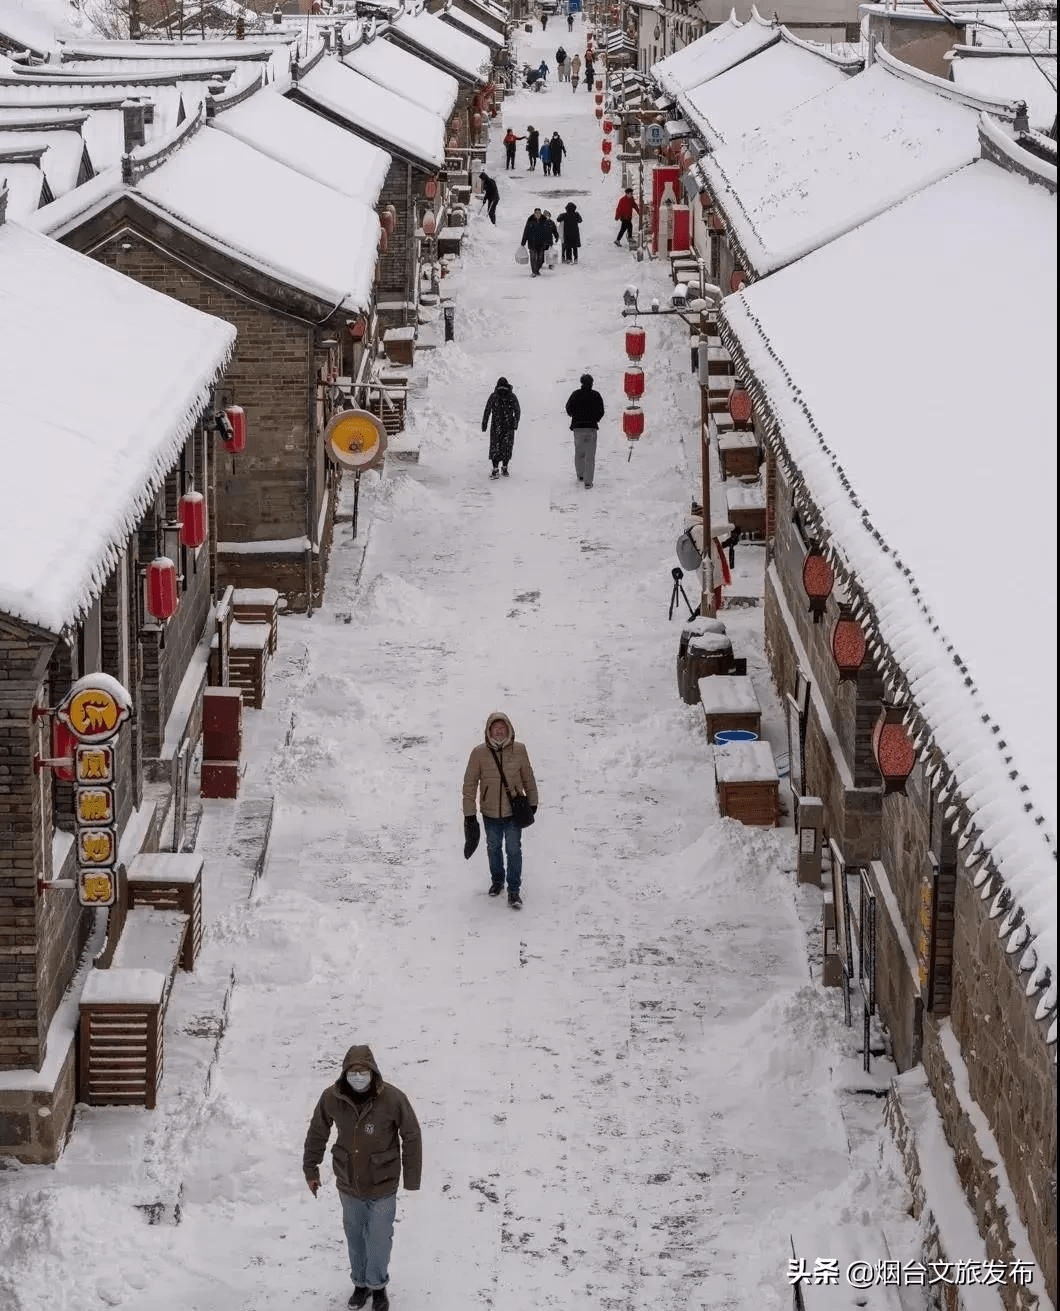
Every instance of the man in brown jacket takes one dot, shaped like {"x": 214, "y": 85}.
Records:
{"x": 377, "y": 1140}
{"x": 484, "y": 789}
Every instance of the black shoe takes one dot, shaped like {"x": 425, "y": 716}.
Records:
{"x": 359, "y": 1298}
{"x": 496, "y": 889}
{"x": 588, "y": 485}
{"x": 494, "y": 473}
{"x": 515, "y": 901}
{"x": 380, "y": 1301}
{"x": 504, "y": 471}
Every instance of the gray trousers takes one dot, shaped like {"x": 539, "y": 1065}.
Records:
{"x": 585, "y": 454}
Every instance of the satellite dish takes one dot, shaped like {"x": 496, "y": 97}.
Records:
{"x": 356, "y": 439}
{"x": 688, "y": 552}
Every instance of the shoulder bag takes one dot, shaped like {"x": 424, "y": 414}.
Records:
{"x": 521, "y": 810}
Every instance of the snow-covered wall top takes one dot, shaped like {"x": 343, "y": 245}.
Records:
{"x": 411, "y": 128}
{"x": 894, "y": 422}
{"x": 432, "y": 36}
{"x": 63, "y": 153}
{"x": 836, "y": 161}
{"x": 86, "y": 446}
{"x": 406, "y": 74}
{"x": 25, "y": 187}
{"x": 1011, "y": 78}
{"x": 712, "y": 54}
{"x": 169, "y": 102}
{"x": 309, "y": 144}
{"x": 301, "y": 232}
{"x": 757, "y": 91}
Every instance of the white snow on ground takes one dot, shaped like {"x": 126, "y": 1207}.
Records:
{"x": 631, "y": 1093}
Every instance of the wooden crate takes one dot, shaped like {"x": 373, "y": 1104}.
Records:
{"x": 748, "y": 787}
{"x": 747, "y": 510}
{"x": 171, "y": 881}
{"x": 738, "y": 454}
{"x": 729, "y": 701}
{"x": 248, "y": 655}
{"x": 258, "y": 605}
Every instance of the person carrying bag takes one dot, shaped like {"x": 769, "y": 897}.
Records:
{"x": 500, "y": 782}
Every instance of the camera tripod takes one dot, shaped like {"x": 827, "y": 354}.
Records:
{"x": 677, "y": 573}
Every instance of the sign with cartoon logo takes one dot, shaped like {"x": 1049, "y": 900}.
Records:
{"x": 95, "y": 708}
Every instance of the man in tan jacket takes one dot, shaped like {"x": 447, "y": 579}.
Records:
{"x": 485, "y": 790}
{"x": 377, "y": 1140}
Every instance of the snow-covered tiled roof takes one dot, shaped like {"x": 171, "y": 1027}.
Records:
{"x": 63, "y": 153}
{"x": 895, "y": 412}
{"x": 37, "y": 26}
{"x": 411, "y": 129}
{"x": 308, "y": 143}
{"x": 1009, "y": 76}
{"x": 722, "y": 48}
{"x": 405, "y": 74}
{"x": 759, "y": 90}
{"x": 433, "y": 37}
{"x": 87, "y": 445}
{"x": 474, "y": 27}
{"x": 25, "y": 188}
{"x": 171, "y": 103}
{"x": 839, "y": 159}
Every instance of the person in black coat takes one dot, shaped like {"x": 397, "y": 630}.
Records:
{"x": 590, "y": 74}
{"x": 537, "y": 237}
{"x": 490, "y": 196}
{"x": 569, "y": 222}
{"x": 585, "y": 408}
{"x": 533, "y": 143}
{"x": 502, "y": 414}
{"x": 556, "y": 151}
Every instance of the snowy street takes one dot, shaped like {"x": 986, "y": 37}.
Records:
{"x": 633, "y": 1091}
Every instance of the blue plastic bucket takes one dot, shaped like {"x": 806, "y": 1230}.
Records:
{"x": 728, "y": 735}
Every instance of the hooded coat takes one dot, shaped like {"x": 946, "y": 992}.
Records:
{"x": 533, "y": 140}
{"x": 482, "y": 778}
{"x": 575, "y": 66}
{"x": 502, "y": 413}
{"x": 556, "y": 148}
{"x": 570, "y": 221}
{"x": 377, "y": 1136}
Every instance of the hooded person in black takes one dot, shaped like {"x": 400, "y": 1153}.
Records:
{"x": 569, "y": 223}
{"x": 585, "y": 408}
{"x": 377, "y": 1142}
{"x": 491, "y": 196}
{"x": 556, "y": 151}
{"x": 502, "y": 414}
{"x": 533, "y": 143}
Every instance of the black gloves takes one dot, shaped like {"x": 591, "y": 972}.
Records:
{"x": 471, "y": 836}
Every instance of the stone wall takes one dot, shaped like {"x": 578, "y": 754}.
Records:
{"x": 396, "y": 275}
{"x": 34, "y": 1124}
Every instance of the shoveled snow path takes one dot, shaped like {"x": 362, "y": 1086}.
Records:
{"x": 627, "y": 1091}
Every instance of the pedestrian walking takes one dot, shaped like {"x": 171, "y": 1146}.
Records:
{"x": 590, "y": 73}
{"x": 490, "y": 196}
{"x": 510, "y": 142}
{"x": 377, "y": 1144}
{"x": 569, "y": 222}
{"x": 562, "y": 70}
{"x": 570, "y": 22}
{"x": 533, "y": 141}
{"x": 585, "y": 408}
{"x": 544, "y": 21}
{"x": 545, "y": 155}
{"x": 500, "y": 782}
{"x": 502, "y": 413}
{"x": 575, "y": 71}
{"x": 537, "y": 239}
{"x": 624, "y": 211}
{"x": 556, "y": 151}
{"x": 553, "y": 238}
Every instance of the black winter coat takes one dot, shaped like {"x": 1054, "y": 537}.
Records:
{"x": 490, "y": 190}
{"x": 585, "y": 407}
{"x": 533, "y": 141}
{"x": 557, "y": 150}
{"x": 569, "y": 221}
{"x": 502, "y": 412}
{"x": 538, "y": 233}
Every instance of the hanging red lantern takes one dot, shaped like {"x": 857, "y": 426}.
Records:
{"x": 599, "y": 84}
{"x": 633, "y": 423}
{"x": 236, "y": 441}
{"x": 429, "y": 224}
{"x": 705, "y": 200}
{"x": 388, "y": 222}
{"x": 633, "y": 382}
{"x": 191, "y": 511}
{"x": 599, "y": 98}
{"x": 848, "y": 646}
{"x": 636, "y": 340}
{"x": 162, "y": 588}
{"x": 605, "y": 146}
{"x": 818, "y": 579}
{"x": 63, "y": 746}
{"x": 740, "y": 407}
{"x": 717, "y": 223}
{"x": 430, "y": 188}
{"x": 737, "y": 279}
{"x": 357, "y": 328}
{"x": 893, "y": 748}
{"x": 383, "y": 241}
{"x": 608, "y": 125}
{"x": 605, "y": 165}
{"x": 599, "y": 111}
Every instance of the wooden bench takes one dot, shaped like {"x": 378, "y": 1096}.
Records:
{"x": 729, "y": 702}
{"x": 171, "y": 881}
{"x": 747, "y": 783}
{"x": 123, "y": 1010}
{"x": 258, "y": 605}
{"x": 248, "y": 655}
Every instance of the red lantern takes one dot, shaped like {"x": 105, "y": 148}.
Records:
{"x": 388, "y": 219}
{"x": 818, "y": 579}
{"x": 598, "y": 98}
{"x": 605, "y": 146}
{"x": 633, "y": 423}
{"x": 237, "y": 419}
{"x": 453, "y": 143}
{"x": 429, "y": 224}
{"x": 633, "y": 382}
{"x": 705, "y": 200}
{"x": 599, "y": 111}
{"x": 357, "y": 328}
{"x": 737, "y": 280}
{"x": 608, "y": 125}
{"x": 191, "y": 511}
{"x": 383, "y": 241}
{"x": 162, "y": 588}
{"x": 740, "y": 408}
{"x": 605, "y": 165}
{"x": 599, "y": 84}
{"x": 63, "y": 745}
{"x": 893, "y": 749}
{"x": 636, "y": 339}
{"x": 848, "y": 647}
{"x": 717, "y": 223}
{"x": 430, "y": 188}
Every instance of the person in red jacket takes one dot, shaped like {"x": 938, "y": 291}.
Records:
{"x": 624, "y": 211}
{"x": 510, "y": 140}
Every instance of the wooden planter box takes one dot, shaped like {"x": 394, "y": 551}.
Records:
{"x": 171, "y": 881}
{"x": 747, "y": 783}
{"x": 747, "y": 510}
{"x": 258, "y": 605}
{"x": 400, "y": 344}
{"x": 248, "y": 654}
{"x": 738, "y": 453}
{"x": 729, "y": 701}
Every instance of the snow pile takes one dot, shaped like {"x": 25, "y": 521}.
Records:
{"x": 88, "y": 447}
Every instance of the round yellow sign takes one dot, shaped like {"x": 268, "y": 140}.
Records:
{"x": 356, "y": 438}
{"x": 94, "y": 714}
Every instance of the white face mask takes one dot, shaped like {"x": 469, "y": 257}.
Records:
{"x": 358, "y": 1082}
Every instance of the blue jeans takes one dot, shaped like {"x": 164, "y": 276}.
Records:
{"x": 508, "y": 833}
{"x": 369, "y": 1226}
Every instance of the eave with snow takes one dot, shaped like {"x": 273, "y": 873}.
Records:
{"x": 712, "y": 54}
{"x": 440, "y": 44}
